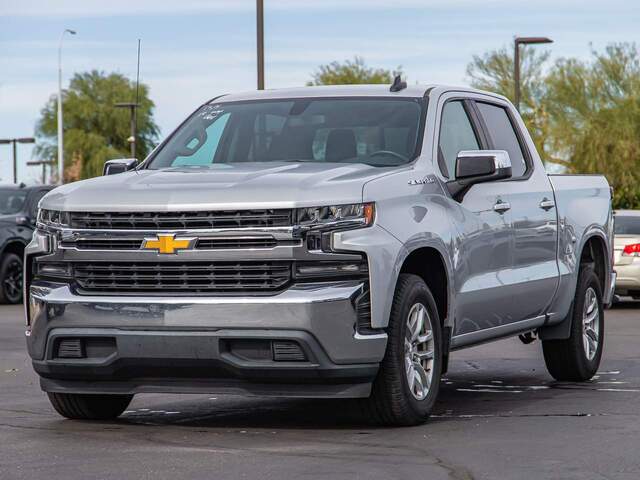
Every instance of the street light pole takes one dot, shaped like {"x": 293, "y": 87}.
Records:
{"x": 43, "y": 164}
{"x": 132, "y": 106}
{"x": 516, "y": 62}
{"x": 260, "y": 41}
{"x": 14, "y": 142}
{"x": 60, "y": 126}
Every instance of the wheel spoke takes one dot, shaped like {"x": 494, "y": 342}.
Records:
{"x": 425, "y": 338}
{"x": 592, "y": 346}
{"x": 425, "y": 355}
{"x": 589, "y": 318}
{"x": 591, "y": 334}
{"x": 418, "y": 382}
{"x": 418, "y": 324}
{"x": 592, "y": 303}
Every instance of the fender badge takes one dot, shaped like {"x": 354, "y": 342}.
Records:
{"x": 422, "y": 181}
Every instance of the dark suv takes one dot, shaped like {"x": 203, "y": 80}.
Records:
{"x": 18, "y": 210}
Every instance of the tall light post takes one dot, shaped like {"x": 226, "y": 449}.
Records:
{"x": 60, "y": 129}
{"x": 14, "y": 142}
{"x": 260, "y": 41}
{"x": 516, "y": 61}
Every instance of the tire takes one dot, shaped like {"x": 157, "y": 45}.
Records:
{"x": 392, "y": 401}
{"x": 89, "y": 407}
{"x": 10, "y": 279}
{"x": 570, "y": 359}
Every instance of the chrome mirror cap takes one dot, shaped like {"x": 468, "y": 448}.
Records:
{"x": 119, "y": 165}
{"x": 478, "y": 166}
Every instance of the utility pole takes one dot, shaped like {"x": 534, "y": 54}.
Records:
{"x": 516, "y": 62}
{"x": 14, "y": 142}
{"x": 260, "y": 41}
{"x": 60, "y": 125}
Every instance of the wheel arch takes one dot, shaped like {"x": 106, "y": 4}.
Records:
{"x": 13, "y": 245}
{"x": 429, "y": 263}
{"x": 593, "y": 251}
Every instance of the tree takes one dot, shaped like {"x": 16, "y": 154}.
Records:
{"x": 351, "y": 72}
{"x": 582, "y": 115}
{"x": 94, "y": 129}
{"x": 594, "y": 111}
{"x": 493, "y": 71}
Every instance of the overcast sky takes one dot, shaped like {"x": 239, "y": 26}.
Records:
{"x": 193, "y": 50}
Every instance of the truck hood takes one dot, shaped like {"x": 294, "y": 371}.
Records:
{"x": 222, "y": 186}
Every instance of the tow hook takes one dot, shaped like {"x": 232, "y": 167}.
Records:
{"x": 527, "y": 338}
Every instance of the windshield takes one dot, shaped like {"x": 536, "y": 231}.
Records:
{"x": 375, "y": 131}
{"x": 11, "y": 200}
{"x": 627, "y": 225}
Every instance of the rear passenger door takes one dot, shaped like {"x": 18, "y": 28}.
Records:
{"x": 529, "y": 192}
{"x": 485, "y": 241}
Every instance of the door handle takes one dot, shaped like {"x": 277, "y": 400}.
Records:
{"x": 501, "y": 207}
{"x": 547, "y": 204}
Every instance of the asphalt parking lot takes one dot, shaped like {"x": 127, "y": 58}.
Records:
{"x": 500, "y": 416}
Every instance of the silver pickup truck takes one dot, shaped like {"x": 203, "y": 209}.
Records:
{"x": 317, "y": 242}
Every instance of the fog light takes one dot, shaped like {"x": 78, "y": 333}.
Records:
{"x": 321, "y": 269}
{"x": 54, "y": 269}
{"x": 287, "y": 351}
{"x": 71, "y": 348}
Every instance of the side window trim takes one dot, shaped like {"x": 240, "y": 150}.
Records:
{"x": 523, "y": 146}
{"x": 469, "y": 108}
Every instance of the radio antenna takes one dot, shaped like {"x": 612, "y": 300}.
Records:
{"x": 135, "y": 110}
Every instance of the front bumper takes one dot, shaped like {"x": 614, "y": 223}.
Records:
{"x": 628, "y": 279}
{"x": 181, "y": 344}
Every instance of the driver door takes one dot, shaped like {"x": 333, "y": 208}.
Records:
{"x": 484, "y": 247}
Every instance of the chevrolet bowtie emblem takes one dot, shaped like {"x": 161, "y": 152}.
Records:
{"x": 167, "y": 243}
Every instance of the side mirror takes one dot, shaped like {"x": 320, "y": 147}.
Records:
{"x": 119, "y": 165}
{"x": 478, "y": 166}
{"x": 24, "y": 221}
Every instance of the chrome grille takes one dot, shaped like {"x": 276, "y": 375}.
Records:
{"x": 201, "y": 244}
{"x": 189, "y": 277}
{"x": 216, "y": 243}
{"x": 105, "y": 244}
{"x": 181, "y": 220}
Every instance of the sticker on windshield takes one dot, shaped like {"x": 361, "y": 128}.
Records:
{"x": 211, "y": 112}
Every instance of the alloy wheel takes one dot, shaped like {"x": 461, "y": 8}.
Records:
{"x": 12, "y": 282}
{"x": 419, "y": 350}
{"x": 590, "y": 324}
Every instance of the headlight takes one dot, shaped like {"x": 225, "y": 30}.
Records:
{"x": 53, "y": 218}
{"x": 336, "y": 216}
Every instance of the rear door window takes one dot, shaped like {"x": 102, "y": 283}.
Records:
{"x": 503, "y": 135}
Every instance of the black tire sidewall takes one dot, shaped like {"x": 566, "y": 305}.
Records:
{"x": 417, "y": 292}
{"x": 5, "y": 263}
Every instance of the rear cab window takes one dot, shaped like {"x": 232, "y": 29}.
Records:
{"x": 502, "y": 136}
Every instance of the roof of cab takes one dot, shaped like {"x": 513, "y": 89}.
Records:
{"x": 382, "y": 90}
{"x": 379, "y": 90}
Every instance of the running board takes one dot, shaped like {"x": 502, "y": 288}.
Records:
{"x": 494, "y": 333}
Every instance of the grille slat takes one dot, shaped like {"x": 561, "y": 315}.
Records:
{"x": 181, "y": 220}
{"x": 192, "y": 277}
